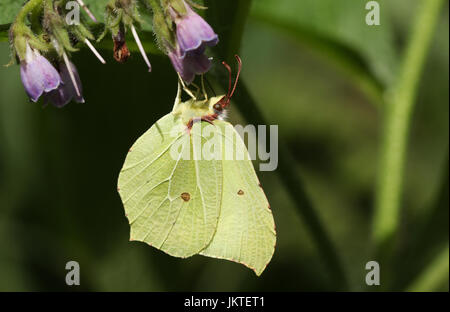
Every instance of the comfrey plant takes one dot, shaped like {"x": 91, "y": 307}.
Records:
{"x": 181, "y": 33}
{"x": 42, "y": 41}
{"x": 216, "y": 193}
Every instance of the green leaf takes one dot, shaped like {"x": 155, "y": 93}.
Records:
{"x": 9, "y": 10}
{"x": 97, "y": 8}
{"x": 336, "y": 27}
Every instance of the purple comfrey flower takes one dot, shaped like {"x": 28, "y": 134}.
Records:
{"x": 189, "y": 65}
{"x": 38, "y": 75}
{"x": 67, "y": 90}
{"x": 193, "y": 32}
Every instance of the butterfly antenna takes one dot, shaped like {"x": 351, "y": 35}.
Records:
{"x": 237, "y": 76}
{"x": 229, "y": 79}
{"x": 230, "y": 90}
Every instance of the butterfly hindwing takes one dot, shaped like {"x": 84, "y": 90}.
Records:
{"x": 246, "y": 230}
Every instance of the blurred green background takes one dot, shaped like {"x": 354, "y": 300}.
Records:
{"x": 315, "y": 69}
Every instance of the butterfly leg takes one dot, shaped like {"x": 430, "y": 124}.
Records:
{"x": 186, "y": 89}
{"x": 205, "y": 94}
{"x": 209, "y": 118}
{"x": 178, "y": 97}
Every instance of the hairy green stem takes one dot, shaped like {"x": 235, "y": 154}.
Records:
{"x": 20, "y": 32}
{"x": 161, "y": 27}
{"x": 397, "y": 123}
{"x": 156, "y": 6}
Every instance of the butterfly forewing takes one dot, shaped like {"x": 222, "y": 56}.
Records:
{"x": 172, "y": 200}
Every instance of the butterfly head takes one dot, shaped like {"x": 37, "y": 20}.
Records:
{"x": 214, "y": 108}
{"x": 218, "y": 105}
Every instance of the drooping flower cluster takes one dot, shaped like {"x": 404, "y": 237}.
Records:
{"x": 38, "y": 75}
{"x": 54, "y": 38}
{"x": 69, "y": 89}
{"x": 43, "y": 39}
{"x": 182, "y": 33}
{"x": 193, "y": 32}
{"x": 189, "y": 36}
{"x": 193, "y": 35}
{"x": 40, "y": 78}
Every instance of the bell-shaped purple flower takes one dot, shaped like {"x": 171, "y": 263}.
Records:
{"x": 38, "y": 75}
{"x": 189, "y": 65}
{"x": 193, "y": 32}
{"x": 66, "y": 91}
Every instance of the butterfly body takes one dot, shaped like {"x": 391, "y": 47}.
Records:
{"x": 193, "y": 109}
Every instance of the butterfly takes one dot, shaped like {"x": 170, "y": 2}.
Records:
{"x": 189, "y": 187}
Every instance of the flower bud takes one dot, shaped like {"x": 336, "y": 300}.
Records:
{"x": 189, "y": 65}
{"x": 38, "y": 75}
{"x": 121, "y": 52}
{"x": 193, "y": 32}
{"x": 66, "y": 91}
